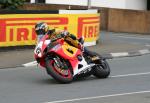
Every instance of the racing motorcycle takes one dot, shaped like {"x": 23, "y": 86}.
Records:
{"x": 65, "y": 63}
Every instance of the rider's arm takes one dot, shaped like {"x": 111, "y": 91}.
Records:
{"x": 51, "y": 31}
{"x": 72, "y": 36}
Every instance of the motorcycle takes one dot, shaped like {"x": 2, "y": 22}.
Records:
{"x": 64, "y": 62}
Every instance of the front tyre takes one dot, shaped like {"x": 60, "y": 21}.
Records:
{"x": 59, "y": 74}
{"x": 102, "y": 69}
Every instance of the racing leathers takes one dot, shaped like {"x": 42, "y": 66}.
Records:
{"x": 69, "y": 38}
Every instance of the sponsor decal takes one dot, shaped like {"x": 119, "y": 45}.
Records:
{"x": 88, "y": 27}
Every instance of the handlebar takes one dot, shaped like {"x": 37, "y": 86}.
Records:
{"x": 57, "y": 37}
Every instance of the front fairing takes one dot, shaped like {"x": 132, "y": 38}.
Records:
{"x": 42, "y": 43}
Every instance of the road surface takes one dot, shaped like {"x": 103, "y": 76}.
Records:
{"x": 128, "y": 83}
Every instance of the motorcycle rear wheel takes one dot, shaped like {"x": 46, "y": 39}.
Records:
{"x": 59, "y": 74}
{"x": 101, "y": 70}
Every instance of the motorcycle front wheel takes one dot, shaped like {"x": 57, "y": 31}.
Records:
{"x": 102, "y": 69}
{"x": 59, "y": 74}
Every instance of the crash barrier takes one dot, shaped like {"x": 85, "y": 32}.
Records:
{"x": 18, "y": 29}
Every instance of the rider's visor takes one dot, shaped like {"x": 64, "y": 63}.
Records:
{"x": 39, "y": 37}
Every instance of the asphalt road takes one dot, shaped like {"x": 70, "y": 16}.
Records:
{"x": 128, "y": 83}
{"x": 139, "y": 39}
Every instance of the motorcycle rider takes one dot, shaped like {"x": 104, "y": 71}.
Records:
{"x": 41, "y": 28}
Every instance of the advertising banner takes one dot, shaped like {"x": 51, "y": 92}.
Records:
{"x": 18, "y": 29}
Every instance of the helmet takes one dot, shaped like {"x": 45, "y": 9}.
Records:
{"x": 41, "y": 28}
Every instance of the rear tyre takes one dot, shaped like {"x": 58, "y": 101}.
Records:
{"x": 59, "y": 74}
{"x": 102, "y": 69}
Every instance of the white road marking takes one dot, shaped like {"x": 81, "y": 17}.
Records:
{"x": 98, "y": 97}
{"x": 148, "y": 45}
{"x": 120, "y": 54}
{"x": 16, "y": 68}
{"x": 127, "y": 75}
{"x": 145, "y": 51}
{"x": 30, "y": 64}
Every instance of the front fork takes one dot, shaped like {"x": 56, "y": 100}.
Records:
{"x": 60, "y": 64}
